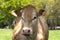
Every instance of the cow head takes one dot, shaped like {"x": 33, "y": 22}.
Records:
{"x": 28, "y": 16}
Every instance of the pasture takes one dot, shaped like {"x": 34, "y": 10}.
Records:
{"x": 6, "y": 34}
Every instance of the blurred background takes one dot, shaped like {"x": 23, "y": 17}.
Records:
{"x": 7, "y": 21}
{"x": 52, "y": 8}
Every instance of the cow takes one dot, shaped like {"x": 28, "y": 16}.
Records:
{"x": 30, "y": 24}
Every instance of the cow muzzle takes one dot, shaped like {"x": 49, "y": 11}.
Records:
{"x": 27, "y": 31}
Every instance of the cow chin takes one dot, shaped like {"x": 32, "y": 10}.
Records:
{"x": 28, "y": 34}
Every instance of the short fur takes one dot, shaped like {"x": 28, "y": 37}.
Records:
{"x": 30, "y": 18}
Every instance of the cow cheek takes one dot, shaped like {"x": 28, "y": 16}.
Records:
{"x": 17, "y": 28}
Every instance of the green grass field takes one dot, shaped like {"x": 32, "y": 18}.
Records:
{"x": 54, "y": 35}
{"x": 6, "y": 34}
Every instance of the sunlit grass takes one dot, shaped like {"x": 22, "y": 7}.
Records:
{"x": 5, "y": 34}
{"x": 54, "y": 35}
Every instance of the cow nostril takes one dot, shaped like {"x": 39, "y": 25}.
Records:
{"x": 28, "y": 30}
{"x": 23, "y": 30}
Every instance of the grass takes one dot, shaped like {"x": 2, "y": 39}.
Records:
{"x": 6, "y": 34}
{"x": 54, "y": 35}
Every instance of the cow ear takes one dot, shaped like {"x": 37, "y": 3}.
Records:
{"x": 16, "y": 13}
{"x": 41, "y": 12}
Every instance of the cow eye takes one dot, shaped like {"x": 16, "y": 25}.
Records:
{"x": 34, "y": 18}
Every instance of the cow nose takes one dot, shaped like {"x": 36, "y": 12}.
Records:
{"x": 26, "y": 31}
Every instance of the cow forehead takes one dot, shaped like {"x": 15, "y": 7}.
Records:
{"x": 29, "y": 13}
{"x": 28, "y": 16}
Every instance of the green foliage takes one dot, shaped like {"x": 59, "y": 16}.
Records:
{"x": 6, "y": 6}
{"x": 25, "y": 2}
{"x": 53, "y": 10}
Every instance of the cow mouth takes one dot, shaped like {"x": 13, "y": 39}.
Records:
{"x": 28, "y": 34}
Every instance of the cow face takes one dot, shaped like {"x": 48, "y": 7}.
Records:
{"x": 28, "y": 18}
